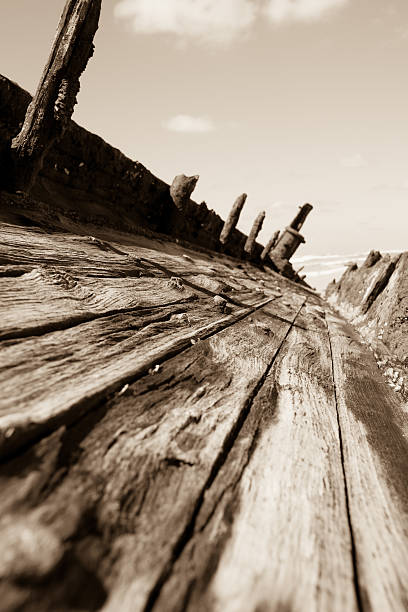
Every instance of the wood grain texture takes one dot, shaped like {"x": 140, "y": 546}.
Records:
{"x": 115, "y": 254}
{"x": 49, "y": 379}
{"x": 183, "y": 431}
{"x": 374, "y": 431}
{"x": 272, "y": 533}
{"x": 117, "y": 493}
{"x": 55, "y": 281}
{"x": 48, "y": 298}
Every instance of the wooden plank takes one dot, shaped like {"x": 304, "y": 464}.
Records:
{"x": 87, "y": 256}
{"x": 273, "y": 532}
{"x": 52, "y": 282}
{"x": 114, "y": 254}
{"x": 220, "y": 282}
{"x": 374, "y": 431}
{"x": 83, "y": 255}
{"x": 117, "y": 493}
{"x": 50, "y": 379}
{"x": 48, "y": 298}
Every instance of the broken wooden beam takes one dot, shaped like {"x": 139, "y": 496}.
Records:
{"x": 270, "y": 244}
{"x": 181, "y": 189}
{"x": 232, "y": 218}
{"x": 49, "y": 113}
{"x": 256, "y": 228}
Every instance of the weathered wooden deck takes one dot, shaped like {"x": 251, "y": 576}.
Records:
{"x": 165, "y": 450}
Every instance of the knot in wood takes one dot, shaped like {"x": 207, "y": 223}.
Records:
{"x": 176, "y": 283}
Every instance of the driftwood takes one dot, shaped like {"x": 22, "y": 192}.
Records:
{"x": 256, "y": 228}
{"x": 52, "y": 106}
{"x": 232, "y": 218}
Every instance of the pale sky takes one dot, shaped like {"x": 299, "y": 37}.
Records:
{"x": 290, "y": 101}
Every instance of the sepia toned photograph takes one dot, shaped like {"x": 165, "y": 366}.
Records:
{"x": 204, "y": 306}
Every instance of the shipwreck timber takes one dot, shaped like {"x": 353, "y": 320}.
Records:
{"x": 183, "y": 426}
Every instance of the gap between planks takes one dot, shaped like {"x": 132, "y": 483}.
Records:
{"x": 240, "y": 563}
{"x": 219, "y": 462}
{"x": 346, "y": 488}
{"x": 375, "y": 450}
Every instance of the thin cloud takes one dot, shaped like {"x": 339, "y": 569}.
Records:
{"x": 354, "y": 161}
{"x": 189, "y": 124}
{"x": 215, "y": 21}
{"x": 283, "y": 10}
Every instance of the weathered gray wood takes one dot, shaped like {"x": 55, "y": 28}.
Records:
{"x": 273, "y": 533}
{"x": 269, "y": 245}
{"x": 54, "y": 281}
{"x": 51, "y": 379}
{"x": 232, "y": 218}
{"x": 256, "y": 228}
{"x": 112, "y": 254}
{"x": 46, "y": 299}
{"x": 52, "y": 106}
{"x": 88, "y": 256}
{"x": 79, "y": 255}
{"x": 374, "y": 431}
{"x": 174, "y": 477}
{"x": 49, "y": 298}
{"x": 181, "y": 189}
{"x": 141, "y": 472}
{"x": 378, "y": 285}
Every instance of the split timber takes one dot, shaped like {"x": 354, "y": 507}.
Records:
{"x": 165, "y": 451}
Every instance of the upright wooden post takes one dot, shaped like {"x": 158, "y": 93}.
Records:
{"x": 256, "y": 228}
{"x": 52, "y": 106}
{"x": 232, "y": 218}
{"x": 181, "y": 189}
{"x": 271, "y": 243}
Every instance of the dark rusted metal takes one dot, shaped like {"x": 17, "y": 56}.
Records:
{"x": 291, "y": 238}
{"x": 300, "y": 218}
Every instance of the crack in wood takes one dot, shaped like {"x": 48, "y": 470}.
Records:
{"x": 196, "y": 287}
{"x": 75, "y": 320}
{"x": 346, "y": 488}
{"x": 217, "y": 465}
{"x": 23, "y": 435}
